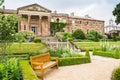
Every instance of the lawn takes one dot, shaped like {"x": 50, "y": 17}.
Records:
{"x": 91, "y": 45}
{"x": 24, "y": 48}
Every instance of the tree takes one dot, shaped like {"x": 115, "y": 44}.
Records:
{"x": 57, "y": 26}
{"x": 7, "y": 31}
{"x": 1, "y": 2}
{"x": 94, "y": 35}
{"x": 78, "y": 34}
{"x": 116, "y": 13}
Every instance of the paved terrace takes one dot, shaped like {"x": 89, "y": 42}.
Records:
{"x": 100, "y": 69}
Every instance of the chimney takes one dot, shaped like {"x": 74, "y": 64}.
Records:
{"x": 72, "y": 14}
{"x": 87, "y": 16}
{"x": 3, "y": 9}
{"x": 55, "y": 12}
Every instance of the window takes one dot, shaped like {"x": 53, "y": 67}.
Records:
{"x": 80, "y": 22}
{"x": 73, "y": 21}
{"x": 24, "y": 27}
{"x": 52, "y": 20}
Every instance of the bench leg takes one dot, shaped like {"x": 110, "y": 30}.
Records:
{"x": 42, "y": 75}
{"x": 57, "y": 66}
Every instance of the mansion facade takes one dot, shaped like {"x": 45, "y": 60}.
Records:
{"x": 37, "y": 19}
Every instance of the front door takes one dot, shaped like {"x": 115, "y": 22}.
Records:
{"x": 34, "y": 29}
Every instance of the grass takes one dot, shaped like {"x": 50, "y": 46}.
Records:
{"x": 24, "y": 48}
{"x": 91, "y": 45}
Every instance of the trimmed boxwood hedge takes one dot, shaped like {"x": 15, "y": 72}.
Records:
{"x": 73, "y": 60}
{"x": 27, "y": 71}
{"x": 114, "y": 54}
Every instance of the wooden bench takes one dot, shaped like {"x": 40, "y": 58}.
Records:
{"x": 41, "y": 63}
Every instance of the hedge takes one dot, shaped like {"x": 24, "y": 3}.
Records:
{"x": 27, "y": 71}
{"x": 72, "y": 61}
{"x": 116, "y": 74}
{"x": 113, "y": 54}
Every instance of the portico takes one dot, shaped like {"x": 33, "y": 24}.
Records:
{"x": 35, "y": 18}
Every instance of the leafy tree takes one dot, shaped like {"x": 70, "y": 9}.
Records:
{"x": 94, "y": 35}
{"x": 7, "y": 31}
{"x": 57, "y": 27}
{"x": 1, "y": 2}
{"x": 78, "y": 34}
{"x": 116, "y": 13}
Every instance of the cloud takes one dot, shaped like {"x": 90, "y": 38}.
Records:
{"x": 87, "y": 9}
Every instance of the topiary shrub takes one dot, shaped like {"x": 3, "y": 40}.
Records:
{"x": 78, "y": 34}
{"x": 37, "y": 40}
{"x": 116, "y": 74}
{"x": 87, "y": 54}
{"x": 116, "y": 53}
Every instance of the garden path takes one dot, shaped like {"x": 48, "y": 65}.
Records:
{"x": 99, "y": 69}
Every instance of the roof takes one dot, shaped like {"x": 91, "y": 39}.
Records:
{"x": 33, "y": 5}
{"x": 59, "y": 14}
{"x": 79, "y": 17}
{"x": 9, "y": 11}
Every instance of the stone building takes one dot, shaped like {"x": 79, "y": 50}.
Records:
{"x": 37, "y": 19}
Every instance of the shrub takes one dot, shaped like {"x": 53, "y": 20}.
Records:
{"x": 116, "y": 74}
{"x": 59, "y": 52}
{"x": 24, "y": 36}
{"x": 33, "y": 54}
{"x": 94, "y": 35}
{"x": 114, "y": 37}
{"x": 72, "y": 61}
{"x": 78, "y": 34}
{"x": 88, "y": 55}
{"x": 117, "y": 53}
{"x": 10, "y": 70}
{"x": 37, "y": 40}
{"x": 64, "y": 36}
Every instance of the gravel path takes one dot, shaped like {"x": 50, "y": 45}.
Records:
{"x": 99, "y": 69}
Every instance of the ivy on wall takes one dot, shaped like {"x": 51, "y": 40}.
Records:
{"x": 57, "y": 27}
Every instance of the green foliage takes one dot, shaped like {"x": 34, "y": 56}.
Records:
{"x": 87, "y": 54}
{"x": 116, "y": 13}
{"x": 34, "y": 54}
{"x": 116, "y": 74}
{"x": 117, "y": 53}
{"x": 59, "y": 52}
{"x": 64, "y": 36}
{"x": 114, "y": 37}
{"x": 37, "y": 40}
{"x": 94, "y": 35}
{"x": 78, "y": 34}
{"x": 72, "y": 61}
{"x": 1, "y": 2}
{"x": 10, "y": 70}
{"x": 57, "y": 27}
{"x": 27, "y": 71}
{"x": 7, "y": 31}
{"x": 103, "y": 53}
{"x": 23, "y": 36}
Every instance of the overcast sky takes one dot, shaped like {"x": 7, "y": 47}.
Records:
{"x": 98, "y": 9}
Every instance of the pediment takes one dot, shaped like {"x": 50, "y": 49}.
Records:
{"x": 34, "y": 7}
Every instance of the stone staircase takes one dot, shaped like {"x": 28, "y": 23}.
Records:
{"x": 54, "y": 43}
{"x": 49, "y": 39}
